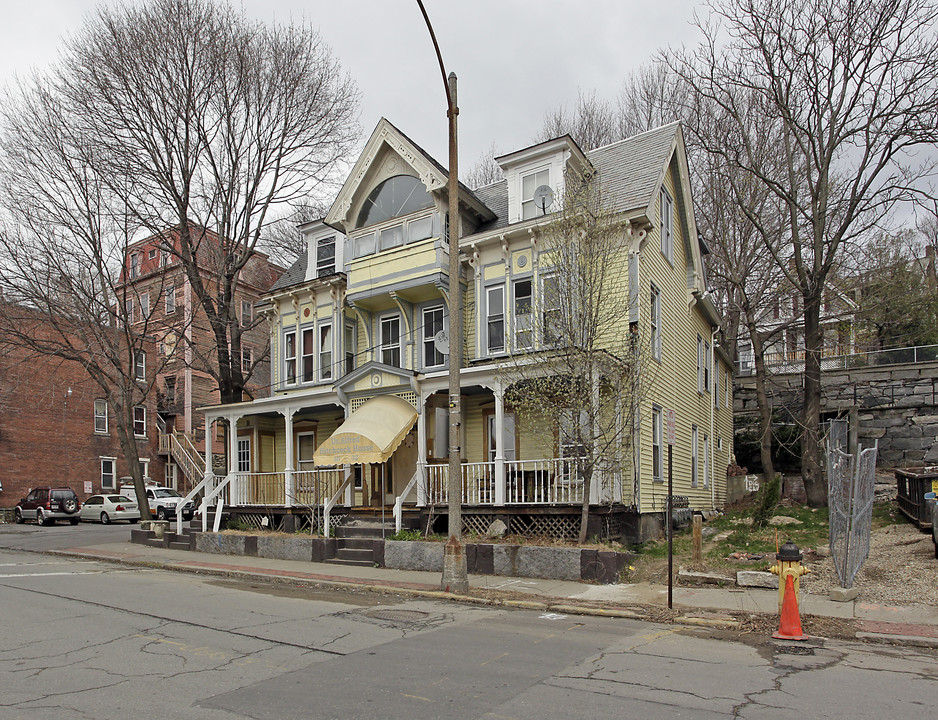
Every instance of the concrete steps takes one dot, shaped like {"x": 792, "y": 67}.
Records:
{"x": 355, "y": 542}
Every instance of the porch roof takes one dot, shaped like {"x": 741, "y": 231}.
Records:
{"x": 370, "y": 435}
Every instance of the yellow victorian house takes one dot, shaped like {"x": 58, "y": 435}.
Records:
{"x": 356, "y": 421}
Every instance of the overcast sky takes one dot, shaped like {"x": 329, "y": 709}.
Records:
{"x": 514, "y": 58}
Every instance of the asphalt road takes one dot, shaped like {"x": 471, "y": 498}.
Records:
{"x": 84, "y": 639}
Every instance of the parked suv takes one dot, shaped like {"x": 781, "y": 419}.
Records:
{"x": 45, "y": 505}
{"x": 163, "y": 501}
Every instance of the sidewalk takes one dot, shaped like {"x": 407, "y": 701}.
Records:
{"x": 911, "y": 625}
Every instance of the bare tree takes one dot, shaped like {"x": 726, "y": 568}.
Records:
{"x": 281, "y": 239}
{"x": 61, "y": 259}
{"x": 591, "y": 123}
{"x": 586, "y": 387}
{"x": 850, "y": 91}
{"x": 486, "y": 171}
{"x": 203, "y": 120}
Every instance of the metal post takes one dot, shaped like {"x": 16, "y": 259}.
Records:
{"x": 670, "y": 525}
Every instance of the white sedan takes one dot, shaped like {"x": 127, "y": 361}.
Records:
{"x": 107, "y": 508}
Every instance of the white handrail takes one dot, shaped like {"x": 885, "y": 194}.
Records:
{"x": 331, "y": 502}
{"x": 192, "y": 493}
{"x": 399, "y": 501}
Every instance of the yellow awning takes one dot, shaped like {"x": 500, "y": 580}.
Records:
{"x": 370, "y": 435}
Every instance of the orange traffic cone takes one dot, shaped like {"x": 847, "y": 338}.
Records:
{"x": 790, "y": 626}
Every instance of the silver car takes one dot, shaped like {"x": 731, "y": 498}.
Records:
{"x": 108, "y": 508}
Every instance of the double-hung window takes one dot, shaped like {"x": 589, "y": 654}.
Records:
{"x": 495, "y": 318}
{"x": 134, "y": 266}
{"x": 140, "y": 421}
{"x": 107, "y": 473}
{"x": 289, "y": 357}
{"x": 657, "y": 449}
{"x": 247, "y": 313}
{"x": 522, "y": 317}
{"x": 706, "y": 379}
{"x": 144, "y": 306}
{"x": 655, "y": 322}
{"x": 100, "y": 416}
{"x": 325, "y": 256}
{"x": 530, "y": 183}
{"x": 309, "y": 355}
{"x": 700, "y": 365}
{"x": 391, "y": 340}
{"x": 129, "y": 310}
{"x": 551, "y": 327}
{"x": 432, "y": 324}
{"x": 140, "y": 365}
{"x": 325, "y": 351}
{"x": 666, "y": 208}
{"x": 706, "y": 460}
{"x": 349, "y": 347}
{"x": 170, "y": 299}
{"x": 694, "y": 455}
{"x": 247, "y": 359}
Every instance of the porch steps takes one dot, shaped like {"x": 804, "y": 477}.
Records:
{"x": 355, "y": 541}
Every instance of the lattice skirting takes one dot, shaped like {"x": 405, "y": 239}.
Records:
{"x": 609, "y": 526}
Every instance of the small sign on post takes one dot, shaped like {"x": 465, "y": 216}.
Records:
{"x": 671, "y": 418}
{"x": 671, "y": 434}
{"x": 89, "y": 487}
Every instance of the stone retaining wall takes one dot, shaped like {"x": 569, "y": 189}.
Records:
{"x": 896, "y": 405}
{"x": 557, "y": 563}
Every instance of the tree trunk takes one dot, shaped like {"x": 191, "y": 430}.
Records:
{"x": 585, "y": 509}
{"x": 814, "y": 486}
{"x": 765, "y": 407}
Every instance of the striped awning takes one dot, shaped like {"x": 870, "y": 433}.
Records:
{"x": 371, "y": 434}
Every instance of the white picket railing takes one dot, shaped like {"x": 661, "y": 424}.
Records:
{"x": 313, "y": 487}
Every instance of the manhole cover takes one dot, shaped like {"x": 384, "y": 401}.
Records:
{"x": 397, "y": 616}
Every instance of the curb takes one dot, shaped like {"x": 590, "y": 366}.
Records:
{"x": 548, "y": 604}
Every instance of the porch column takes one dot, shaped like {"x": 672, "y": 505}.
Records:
{"x": 422, "y": 453}
{"x": 289, "y": 492}
{"x": 209, "y": 477}
{"x": 234, "y": 484}
{"x": 596, "y": 485}
{"x": 499, "y": 445}
{"x": 620, "y": 459}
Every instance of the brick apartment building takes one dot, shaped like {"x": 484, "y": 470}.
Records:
{"x": 56, "y": 429}
{"x": 160, "y": 300}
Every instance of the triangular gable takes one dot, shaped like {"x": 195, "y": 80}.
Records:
{"x": 433, "y": 175}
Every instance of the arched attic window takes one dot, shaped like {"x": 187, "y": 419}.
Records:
{"x": 396, "y": 196}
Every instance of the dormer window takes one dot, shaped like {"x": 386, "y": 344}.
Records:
{"x": 396, "y": 196}
{"x": 134, "y": 266}
{"x": 325, "y": 256}
{"x": 530, "y": 183}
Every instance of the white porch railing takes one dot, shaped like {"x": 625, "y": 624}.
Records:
{"x": 267, "y": 488}
{"x": 527, "y": 482}
{"x": 313, "y": 487}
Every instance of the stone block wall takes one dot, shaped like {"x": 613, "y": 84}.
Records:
{"x": 896, "y": 405}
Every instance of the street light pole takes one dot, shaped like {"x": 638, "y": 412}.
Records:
{"x": 455, "y": 576}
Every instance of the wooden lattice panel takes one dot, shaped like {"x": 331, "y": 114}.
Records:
{"x": 556, "y": 526}
{"x": 478, "y": 524}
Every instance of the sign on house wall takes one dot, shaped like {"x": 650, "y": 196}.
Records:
{"x": 671, "y": 418}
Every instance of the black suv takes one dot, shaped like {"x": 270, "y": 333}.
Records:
{"x": 45, "y": 505}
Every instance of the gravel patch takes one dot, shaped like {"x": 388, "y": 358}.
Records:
{"x": 901, "y": 569}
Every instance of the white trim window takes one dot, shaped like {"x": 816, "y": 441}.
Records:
{"x": 247, "y": 358}
{"x": 129, "y": 310}
{"x": 694, "y": 456}
{"x": 666, "y": 209}
{"x": 325, "y": 256}
{"x": 145, "y": 469}
{"x": 390, "y": 329}
{"x": 100, "y": 416}
{"x": 655, "y": 322}
{"x": 657, "y": 444}
{"x": 495, "y": 319}
{"x": 140, "y": 421}
{"x": 706, "y": 460}
{"x": 164, "y": 258}
{"x": 349, "y": 348}
{"x": 551, "y": 327}
{"x": 289, "y": 357}
{"x": 247, "y": 313}
{"x": 432, "y": 324}
{"x": 140, "y": 365}
{"x": 706, "y": 378}
{"x": 169, "y": 299}
{"x": 305, "y": 449}
{"x": 134, "y": 266}
{"x": 108, "y": 473}
{"x": 700, "y": 365}
{"x": 522, "y": 314}
{"x": 530, "y": 183}
{"x": 244, "y": 453}
{"x": 144, "y": 306}
{"x": 325, "y": 351}
{"x": 309, "y": 355}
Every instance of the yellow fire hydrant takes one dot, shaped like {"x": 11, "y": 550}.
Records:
{"x": 788, "y": 562}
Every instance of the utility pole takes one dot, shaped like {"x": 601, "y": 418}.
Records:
{"x": 455, "y": 576}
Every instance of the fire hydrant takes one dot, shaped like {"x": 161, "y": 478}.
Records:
{"x": 788, "y": 562}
